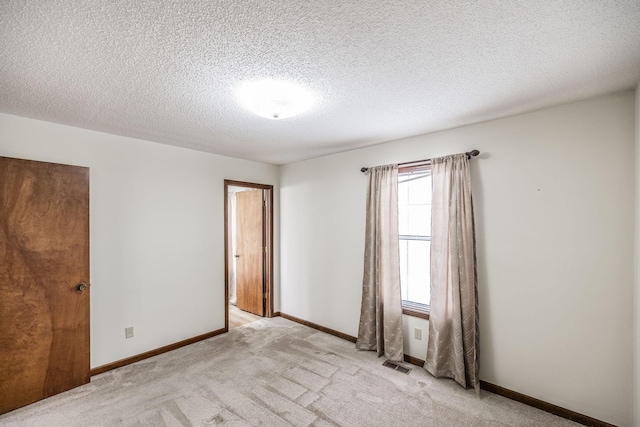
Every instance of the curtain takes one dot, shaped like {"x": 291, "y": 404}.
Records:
{"x": 381, "y": 312}
{"x": 232, "y": 247}
{"x": 452, "y": 350}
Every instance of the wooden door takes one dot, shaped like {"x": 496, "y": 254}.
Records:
{"x": 44, "y": 257}
{"x": 250, "y": 251}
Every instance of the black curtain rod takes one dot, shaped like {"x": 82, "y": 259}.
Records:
{"x": 469, "y": 154}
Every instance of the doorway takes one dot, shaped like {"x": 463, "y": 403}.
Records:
{"x": 248, "y": 252}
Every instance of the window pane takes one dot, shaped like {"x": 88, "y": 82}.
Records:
{"x": 404, "y": 267}
{"x": 418, "y": 220}
{"x": 403, "y": 192}
{"x": 414, "y": 204}
{"x": 403, "y": 219}
{"x": 415, "y": 270}
{"x": 419, "y": 190}
{"x": 414, "y": 220}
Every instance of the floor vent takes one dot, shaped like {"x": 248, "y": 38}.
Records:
{"x": 397, "y": 367}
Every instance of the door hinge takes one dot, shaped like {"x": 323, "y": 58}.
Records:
{"x": 264, "y": 295}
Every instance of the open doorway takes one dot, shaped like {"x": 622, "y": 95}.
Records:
{"x": 248, "y": 252}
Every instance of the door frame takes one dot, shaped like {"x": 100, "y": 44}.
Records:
{"x": 267, "y": 237}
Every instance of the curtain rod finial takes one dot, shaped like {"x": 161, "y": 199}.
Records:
{"x": 474, "y": 153}
{"x": 363, "y": 170}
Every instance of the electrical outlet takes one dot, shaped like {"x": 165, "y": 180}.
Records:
{"x": 417, "y": 333}
{"x": 128, "y": 332}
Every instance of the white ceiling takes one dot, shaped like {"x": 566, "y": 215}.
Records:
{"x": 166, "y": 71}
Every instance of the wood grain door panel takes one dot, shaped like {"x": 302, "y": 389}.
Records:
{"x": 44, "y": 255}
{"x": 250, "y": 251}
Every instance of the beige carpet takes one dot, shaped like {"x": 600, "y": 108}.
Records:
{"x": 273, "y": 372}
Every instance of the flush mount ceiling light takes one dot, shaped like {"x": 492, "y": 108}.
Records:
{"x": 275, "y": 99}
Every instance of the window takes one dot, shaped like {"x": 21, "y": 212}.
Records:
{"x": 414, "y": 227}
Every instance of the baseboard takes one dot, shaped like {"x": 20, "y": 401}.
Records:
{"x": 501, "y": 391}
{"x": 413, "y": 360}
{"x": 151, "y": 353}
{"x": 528, "y": 400}
{"x": 496, "y": 389}
{"x": 316, "y": 326}
{"x": 545, "y": 406}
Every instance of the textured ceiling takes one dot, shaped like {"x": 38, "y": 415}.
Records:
{"x": 166, "y": 71}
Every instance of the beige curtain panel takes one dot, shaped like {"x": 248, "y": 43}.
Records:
{"x": 381, "y": 312}
{"x": 452, "y": 351}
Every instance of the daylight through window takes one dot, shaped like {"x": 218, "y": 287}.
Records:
{"x": 414, "y": 225}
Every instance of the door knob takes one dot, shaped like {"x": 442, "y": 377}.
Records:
{"x": 81, "y": 286}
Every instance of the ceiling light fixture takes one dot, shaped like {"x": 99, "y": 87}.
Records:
{"x": 275, "y": 99}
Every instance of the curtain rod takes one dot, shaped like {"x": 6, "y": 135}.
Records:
{"x": 469, "y": 154}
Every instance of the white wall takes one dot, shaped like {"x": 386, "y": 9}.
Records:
{"x": 554, "y": 200}
{"x": 157, "y": 224}
{"x": 636, "y": 395}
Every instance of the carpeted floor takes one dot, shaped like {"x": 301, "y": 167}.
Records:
{"x": 273, "y": 372}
